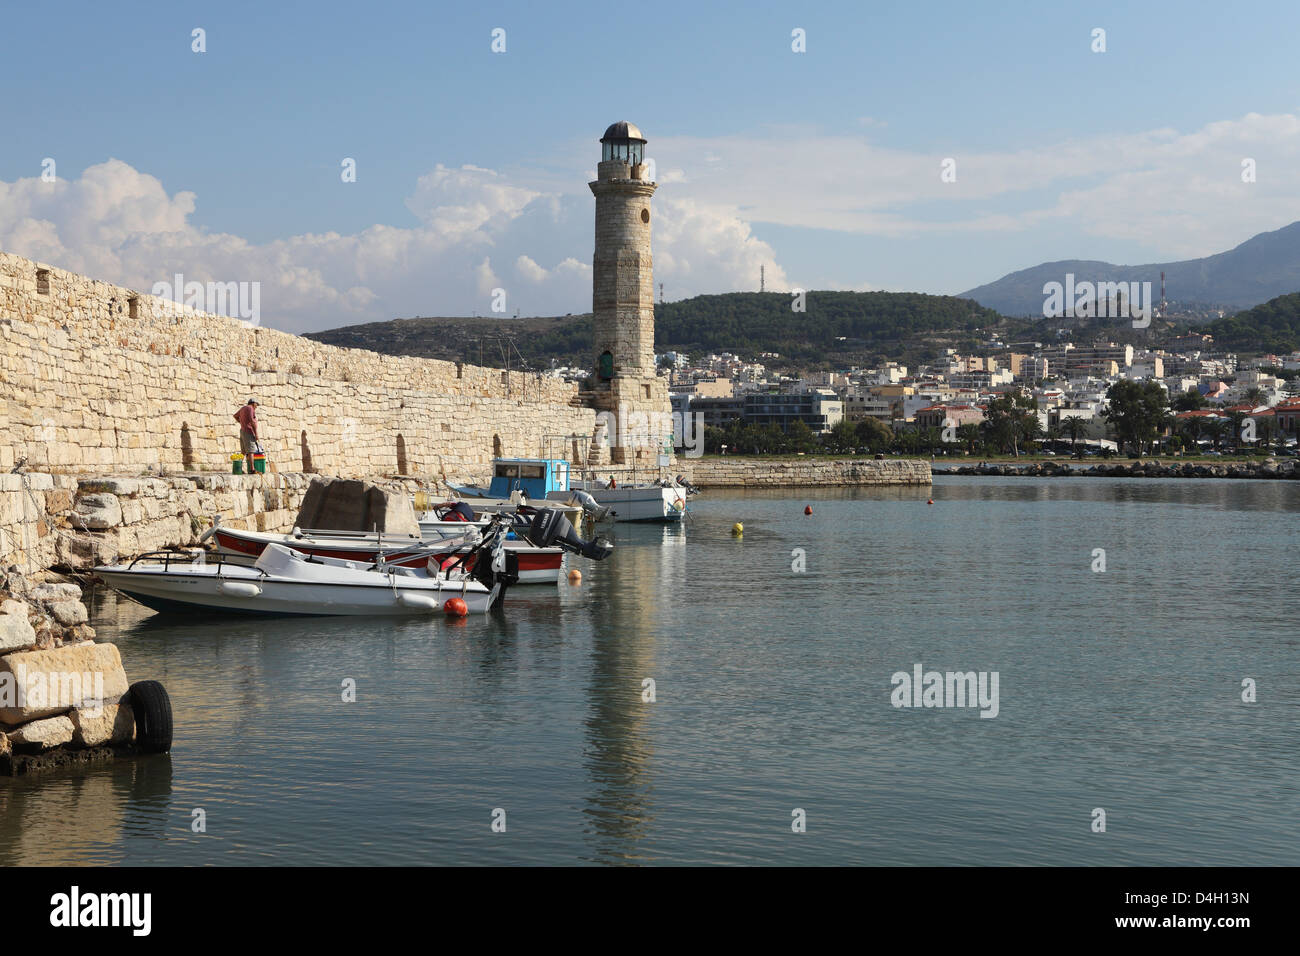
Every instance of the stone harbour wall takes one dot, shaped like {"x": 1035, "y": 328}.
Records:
{"x": 75, "y": 523}
{"x": 71, "y": 522}
{"x": 63, "y": 697}
{"x": 99, "y": 379}
{"x": 737, "y": 471}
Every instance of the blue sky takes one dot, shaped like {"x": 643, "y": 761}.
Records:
{"x": 472, "y": 165}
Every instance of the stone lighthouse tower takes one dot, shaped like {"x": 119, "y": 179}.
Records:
{"x": 623, "y": 302}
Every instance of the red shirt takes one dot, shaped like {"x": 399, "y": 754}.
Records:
{"x": 247, "y": 418}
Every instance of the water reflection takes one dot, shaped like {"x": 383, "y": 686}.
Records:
{"x": 74, "y": 817}
{"x": 620, "y": 749}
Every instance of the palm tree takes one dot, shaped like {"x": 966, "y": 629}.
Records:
{"x": 1029, "y": 428}
{"x": 1236, "y": 418}
{"x": 1074, "y": 426}
{"x": 1215, "y": 429}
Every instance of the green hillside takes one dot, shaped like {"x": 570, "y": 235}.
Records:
{"x": 836, "y": 328}
{"x": 1272, "y": 326}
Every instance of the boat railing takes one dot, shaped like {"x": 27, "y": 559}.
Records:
{"x": 334, "y": 533}
{"x": 199, "y": 558}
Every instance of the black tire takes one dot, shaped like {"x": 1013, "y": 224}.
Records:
{"x": 153, "y": 716}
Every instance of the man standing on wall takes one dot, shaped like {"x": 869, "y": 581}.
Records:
{"x": 248, "y": 440}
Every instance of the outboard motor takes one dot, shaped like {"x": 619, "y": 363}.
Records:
{"x": 482, "y": 565}
{"x": 589, "y": 504}
{"x": 551, "y": 529}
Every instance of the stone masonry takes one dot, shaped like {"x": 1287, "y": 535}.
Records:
{"x": 737, "y": 471}
{"x": 623, "y": 312}
{"x": 99, "y": 379}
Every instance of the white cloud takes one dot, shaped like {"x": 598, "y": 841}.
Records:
{"x": 530, "y": 232}
{"x": 477, "y": 232}
{"x": 1177, "y": 191}
{"x": 530, "y": 270}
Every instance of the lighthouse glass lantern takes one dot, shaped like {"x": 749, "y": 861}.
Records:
{"x": 623, "y": 141}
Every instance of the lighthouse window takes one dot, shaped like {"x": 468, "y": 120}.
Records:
{"x": 628, "y": 152}
{"x": 645, "y": 215}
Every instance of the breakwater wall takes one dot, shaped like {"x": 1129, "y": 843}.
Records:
{"x": 736, "y": 471}
{"x": 77, "y": 522}
{"x": 64, "y": 698}
{"x": 1269, "y": 468}
{"x": 100, "y": 379}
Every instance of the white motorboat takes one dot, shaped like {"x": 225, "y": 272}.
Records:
{"x": 631, "y": 502}
{"x": 549, "y": 480}
{"x": 288, "y": 582}
{"x": 536, "y": 565}
{"x": 534, "y": 543}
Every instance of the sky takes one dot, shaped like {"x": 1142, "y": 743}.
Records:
{"x": 128, "y": 155}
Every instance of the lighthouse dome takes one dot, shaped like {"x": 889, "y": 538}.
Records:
{"x": 622, "y": 131}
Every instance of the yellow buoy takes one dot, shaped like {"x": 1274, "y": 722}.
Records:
{"x": 737, "y": 529}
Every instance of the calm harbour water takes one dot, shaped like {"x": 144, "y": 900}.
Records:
{"x": 1119, "y": 690}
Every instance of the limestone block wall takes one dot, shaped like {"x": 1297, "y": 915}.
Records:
{"x": 63, "y": 697}
{"x": 99, "y": 379}
{"x": 641, "y": 415}
{"x": 735, "y": 471}
{"x": 68, "y": 521}
{"x": 75, "y": 522}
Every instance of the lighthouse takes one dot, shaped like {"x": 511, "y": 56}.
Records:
{"x": 623, "y": 310}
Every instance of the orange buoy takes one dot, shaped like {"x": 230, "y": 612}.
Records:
{"x": 807, "y": 509}
{"x": 575, "y": 577}
{"x": 456, "y": 607}
{"x": 930, "y": 502}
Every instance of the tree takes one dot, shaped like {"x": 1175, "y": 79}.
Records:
{"x": 969, "y": 435}
{"x": 1189, "y": 401}
{"x": 842, "y": 438}
{"x": 874, "y": 434}
{"x": 800, "y": 437}
{"x": 1074, "y": 426}
{"x": 1255, "y": 396}
{"x": 1138, "y": 411}
{"x": 1236, "y": 418}
{"x": 1007, "y": 421}
{"x": 1192, "y": 429}
{"x": 1215, "y": 429}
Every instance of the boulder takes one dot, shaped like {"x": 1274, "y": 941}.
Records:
{"x": 42, "y": 734}
{"x": 55, "y": 592}
{"x": 98, "y": 512}
{"x": 69, "y": 613}
{"x": 109, "y": 724}
{"x": 36, "y": 684}
{"x": 16, "y": 633}
{"x": 341, "y": 504}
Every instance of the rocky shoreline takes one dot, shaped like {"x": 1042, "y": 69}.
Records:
{"x": 64, "y": 699}
{"x": 1268, "y": 468}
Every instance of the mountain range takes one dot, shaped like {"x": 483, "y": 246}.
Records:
{"x": 1261, "y": 268}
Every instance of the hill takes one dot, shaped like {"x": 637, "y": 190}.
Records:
{"x": 836, "y": 328}
{"x": 1273, "y": 326}
{"x": 1259, "y": 269}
